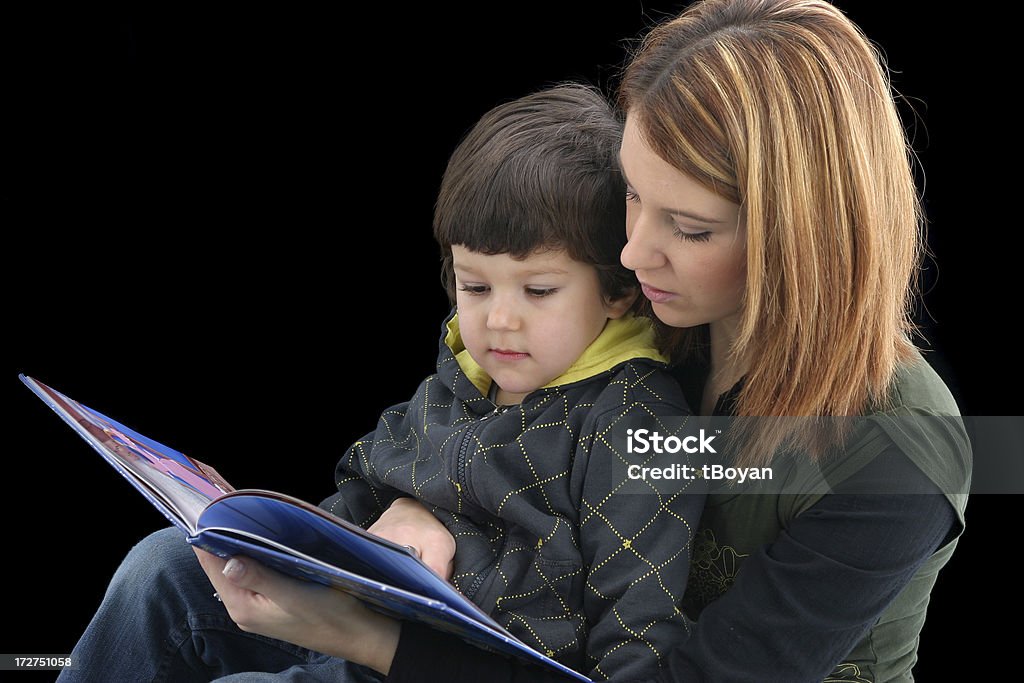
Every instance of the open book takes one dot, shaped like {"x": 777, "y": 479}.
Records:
{"x": 288, "y": 534}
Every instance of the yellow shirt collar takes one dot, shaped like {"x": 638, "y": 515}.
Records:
{"x": 621, "y": 339}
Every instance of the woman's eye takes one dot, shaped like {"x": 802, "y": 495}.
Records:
{"x": 692, "y": 236}
{"x": 474, "y": 290}
{"x": 539, "y": 292}
{"x": 632, "y": 196}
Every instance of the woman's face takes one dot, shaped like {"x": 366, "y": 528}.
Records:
{"x": 686, "y": 244}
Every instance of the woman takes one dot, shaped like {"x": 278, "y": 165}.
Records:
{"x": 773, "y": 224}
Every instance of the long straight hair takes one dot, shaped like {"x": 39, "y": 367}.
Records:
{"x": 784, "y": 107}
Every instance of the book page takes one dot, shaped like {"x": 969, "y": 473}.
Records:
{"x": 179, "y": 486}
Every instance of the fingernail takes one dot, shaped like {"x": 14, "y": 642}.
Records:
{"x": 234, "y": 569}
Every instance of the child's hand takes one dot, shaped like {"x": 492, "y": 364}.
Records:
{"x": 408, "y": 523}
{"x": 261, "y": 600}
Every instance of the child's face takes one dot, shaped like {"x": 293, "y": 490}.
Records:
{"x": 527, "y": 321}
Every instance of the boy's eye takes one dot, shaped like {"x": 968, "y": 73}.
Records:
{"x": 540, "y": 291}
{"x": 474, "y": 290}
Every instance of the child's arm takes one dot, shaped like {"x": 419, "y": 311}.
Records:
{"x": 636, "y": 547}
{"x": 362, "y": 496}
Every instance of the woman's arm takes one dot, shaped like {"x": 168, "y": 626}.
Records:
{"x": 796, "y": 609}
{"x": 799, "y": 605}
{"x": 261, "y": 600}
{"x": 426, "y": 655}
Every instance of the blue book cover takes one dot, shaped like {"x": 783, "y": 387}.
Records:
{"x": 285, "y": 533}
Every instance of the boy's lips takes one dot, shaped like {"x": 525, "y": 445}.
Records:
{"x": 508, "y": 354}
{"x": 658, "y": 296}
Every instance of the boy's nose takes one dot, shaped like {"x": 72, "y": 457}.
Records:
{"x": 503, "y": 315}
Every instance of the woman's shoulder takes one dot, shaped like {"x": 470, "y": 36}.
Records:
{"x": 917, "y": 387}
{"x": 916, "y": 441}
{"x": 921, "y": 417}
{"x": 921, "y": 420}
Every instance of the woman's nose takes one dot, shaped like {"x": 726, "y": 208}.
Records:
{"x": 642, "y": 250}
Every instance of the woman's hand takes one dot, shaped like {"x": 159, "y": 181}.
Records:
{"x": 261, "y": 600}
{"x": 408, "y": 523}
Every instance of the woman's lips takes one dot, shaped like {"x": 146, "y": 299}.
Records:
{"x": 505, "y": 354}
{"x": 658, "y": 296}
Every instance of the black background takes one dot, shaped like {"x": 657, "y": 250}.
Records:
{"x": 217, "y": 231}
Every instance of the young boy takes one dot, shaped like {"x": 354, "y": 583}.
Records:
{"x": 510, "y": 442}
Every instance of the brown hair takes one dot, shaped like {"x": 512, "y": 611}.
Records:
{"x": 540, "y": 172}
{"x": 784, "y": 107}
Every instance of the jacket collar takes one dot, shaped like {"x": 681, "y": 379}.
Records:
{"x": 622, "y": 339}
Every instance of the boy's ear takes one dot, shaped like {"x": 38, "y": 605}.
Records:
{"x": 616, "y": 308}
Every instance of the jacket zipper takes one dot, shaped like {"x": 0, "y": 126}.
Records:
{"x": 460, "y": 474}
{"x": 462, "y": 484}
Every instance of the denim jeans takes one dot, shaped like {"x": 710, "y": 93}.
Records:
{"x": 159, "y": 621}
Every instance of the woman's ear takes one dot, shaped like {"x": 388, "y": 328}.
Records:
{"x": 616, "y": 308}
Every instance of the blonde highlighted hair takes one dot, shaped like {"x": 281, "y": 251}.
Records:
{"x": 785, "y": 107}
